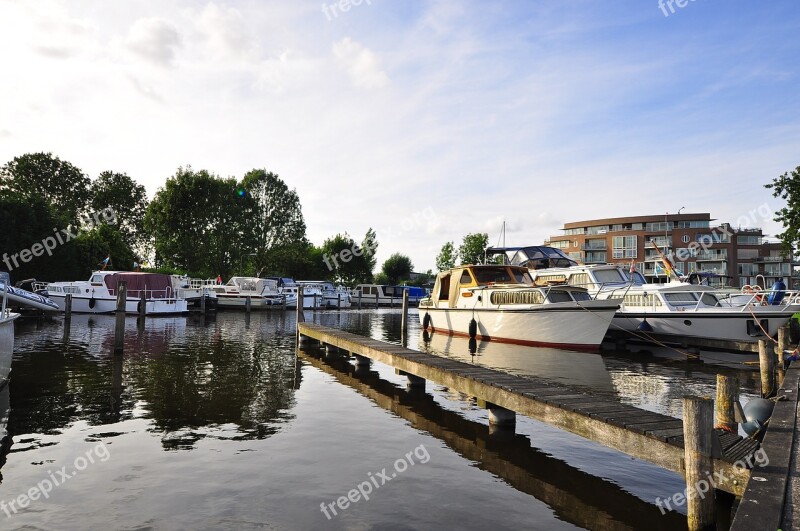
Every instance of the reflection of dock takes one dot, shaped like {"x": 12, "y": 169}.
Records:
{"x": 576, "y": 496}
{"x": 642, "y": 434}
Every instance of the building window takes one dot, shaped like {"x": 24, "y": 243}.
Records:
{"x": 748, "y": 240}
{"x": 625, "y": 247}
{"x": 560, "y": 244}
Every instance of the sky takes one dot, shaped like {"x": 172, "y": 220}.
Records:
{"x": 425, "y": 120}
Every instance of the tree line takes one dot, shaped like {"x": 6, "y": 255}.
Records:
{"x": 198, "y": 223}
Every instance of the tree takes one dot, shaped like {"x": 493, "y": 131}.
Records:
{"x": 58, "y": 182}
{"x": 128, "y": 201}
{"x": 369, "y": 247}
{"x": 472, "y": 249}
{"x": 346, "y": 261}
{"x": 397, "y": 267}
{"x": 201, "y": 223}
{"x": 446, "y": 259}
{"x": 787, "y": 187}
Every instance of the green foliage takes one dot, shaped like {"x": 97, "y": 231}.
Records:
{"x": 787, "y": 187}
{"x": 201, "y": 223}
{"x": 347, "y": 262}
{"x": 472, "y": 249}
{"x": 127, "y": 199}
{"x": 56, "y": 182}
{"x": 397, "y": 267}
{"x": 381, "y": 278}
{"x": 446, "y": 259}
{"x": 103, "y": 241}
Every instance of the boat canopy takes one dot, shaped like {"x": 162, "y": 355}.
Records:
{"x": 157, "y": 285}
{"x": 533, "y": 257}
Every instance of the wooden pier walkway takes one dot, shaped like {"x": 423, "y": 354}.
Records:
{"x": 639, "y": 433}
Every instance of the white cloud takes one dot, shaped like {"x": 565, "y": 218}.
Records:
{"x": 154, "y": 39}
{"x": 361, "y": 64}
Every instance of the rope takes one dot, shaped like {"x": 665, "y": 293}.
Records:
{"x": 749, "y": 307}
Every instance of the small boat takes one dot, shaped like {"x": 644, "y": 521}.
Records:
{"x": 262, "y": 293}
{"x": 195, "y": 289}
{"x": 290, "y": 289}
{"x": 329, "y": 296}
{"x": 7, "y": 319}
{"x": 20, "y": 297}
{"x": 385, "y": 295}
{"x": 501, "y": 303}
{"x": 99, "y": 293}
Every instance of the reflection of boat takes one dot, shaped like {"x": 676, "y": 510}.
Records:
{"x": 99, "y": 293}
{"x": 501, "y": 303}
{"x": 679, "y": 309}
{"x": 577, "y": 369}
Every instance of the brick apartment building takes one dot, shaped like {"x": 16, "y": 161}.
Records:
{"x": 692, "y": 241}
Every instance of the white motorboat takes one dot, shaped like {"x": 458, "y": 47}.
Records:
{"x": 20, "y": 297}
{"x": 7, "y": 319}
{"x": 329, "y": 296}
{"x": 679, "y": 309}
{"x": 384, "y": 295}
{"x": 501, "y": 303}
{"x": 99, "y": 293}
{"x": 195, "y": 289}
{"x": 262, "y": 293}
{"x": 312, "y": 297}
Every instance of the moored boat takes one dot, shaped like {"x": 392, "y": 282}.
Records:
{"x": 7, "y": 319}
{"x": 386, "y": 295}
{"x": 501, "y": 303}
{"x": 99, "y": 293}
{"x": 262, "y": 293}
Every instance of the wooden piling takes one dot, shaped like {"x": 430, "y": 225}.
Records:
{"x": 404, "y": 319}
{"x": 143, "y": 304}
{"x": 68, "y": 307}
{"x": 767, "y": 362}
{"x": 300, "y": 317}
{"x": 782, "y": 345}
{"x": 376, "y": 300}
{"x": 698, "y": 429}
{"x": 338, "y": 301}
{"x": 727, "y": 396}
{"x": 247, "y": 303}
{"x": 119, "y": 330}
{"x": 359, "y": 299}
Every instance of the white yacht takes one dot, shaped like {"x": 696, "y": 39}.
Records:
{"x": 384, "y": 295}
{"x": 194, "y": 289}
{"x": 677, "y": 308}
{"x": 99, "y": 293}
{"x": 328, "y": 295}
{"x": 312, "y": 297}
{"x": 262, "y": 293}
{"x": 7, "y": 319}
{"x": 501, "y": 303}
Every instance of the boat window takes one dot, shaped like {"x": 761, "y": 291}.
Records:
{"x": 609, "y": 276}
{"x": 681, "y": 299}
{"x": 709, "y": 299}
{"x": 465, "y": 278}
{"x": 516, "y": 297}
{"x": 444, "y": 288}
{"x": 498, "y": 275}
{"x": 523, "y": 277}
{"x": 581, "y": 296}
{"x": 97, "y": 279}
{"x": 559, "y": 296}
{"x": 580, "y": 279}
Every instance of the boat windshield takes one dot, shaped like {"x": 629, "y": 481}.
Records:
{"x": 500, "y": 275}
{"x": 638, "y": 278}
{"x": 609, "y": 276}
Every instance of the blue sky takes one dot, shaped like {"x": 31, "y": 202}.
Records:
{"x": 425, "y": 120}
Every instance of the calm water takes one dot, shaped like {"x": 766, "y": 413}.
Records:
{"x": 216, "y": 423}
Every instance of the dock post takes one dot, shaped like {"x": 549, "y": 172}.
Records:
{"x": 203, "y": 302}
{"x": 698, "y": 430}
{"x": 767, "y": 363}
{"x": 143, "y": 304}
{"x": 283, "y": 304}
{"x": 783, "y": 344}
{"x": 119, "y": 330}
{"x": 67, "y": 315}
{"x": 300, "y": 317}
{"x": 359, "y": 299}
{"x": 376, "y": 300}
{"x": 404, "y": 319}
{"x": 727, "y": 396}
{"x": 247, "y": 303}
{"x": 338, "y": 301}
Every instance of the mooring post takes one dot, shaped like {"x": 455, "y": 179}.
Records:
{"x": 119, "y": 330}
{"x": 338, "y": 301}
{"x": 247, "y": 303}
{"x": 698, "y": 430}
{"x": 376, "y": 300}
{"x": 143, "y": 304}
{"x": 727, "y": 396}
{"x": 300, "y": 317}
{"x": 68, "y": 307}
{"x": 359, "y": 299}
{"x": 404, "y": 319}
{"x": 782, "y": 345}
{"x": 767, "y": 362}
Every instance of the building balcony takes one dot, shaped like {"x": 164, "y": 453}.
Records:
{"x": 594, "y": 246}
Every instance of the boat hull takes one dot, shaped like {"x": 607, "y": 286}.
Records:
{"x": 81, "y": 304}
{"x": 6, "y": 345}
{"x": 549, "y": 326}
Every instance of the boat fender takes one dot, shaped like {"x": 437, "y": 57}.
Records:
{"x": 644, "y": 326}
{"x": 91, "y": 303}
{"x": 426, "y": 321}
{"x": 473, "y": 328}
{"x": 756, "y": 413}
{"x": 426, "y": 337}
{"x": 473, "y": 345}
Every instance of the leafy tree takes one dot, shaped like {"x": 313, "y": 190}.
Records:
{"x": 201, "y": 223}
{"x": 787, "y": 187}
{"x": 397, "y": 267}
{"x": 346, "y": 261}
{"x": 42, "y": 175}
{"x": 472, "y": 249}
{"x": 103, "y": 241}
{"x": 369, "y": 247}
{"x": 381, "y": 278}
{"x": 446, "y": 259}
{"x": 127, "y": 199}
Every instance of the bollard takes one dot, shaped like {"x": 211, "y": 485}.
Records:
{"x": 404, "y": 320}
{"x": 119, "y": 330}
{"x": 247, "y": 303}
{"x": 767, "y": 362}
{"x": 698, "y": 433}
{"x": 727, "y": 396}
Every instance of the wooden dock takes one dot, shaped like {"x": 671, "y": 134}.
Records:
{"x": 649, "y": 436}
{"x": 772, "y": 498}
